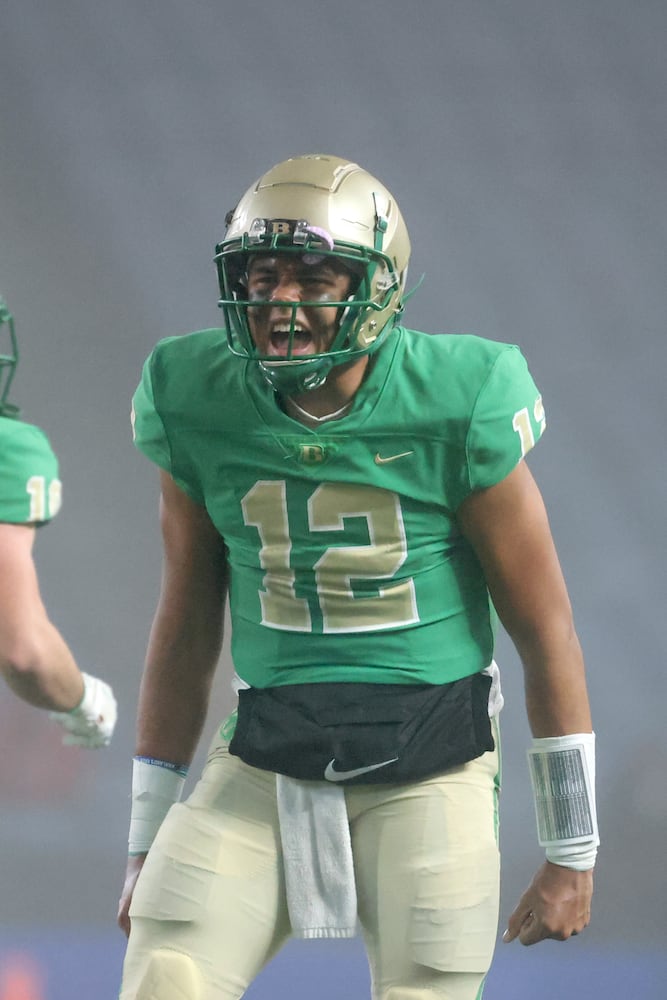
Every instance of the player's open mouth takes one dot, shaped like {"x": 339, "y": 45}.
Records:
{"x": 279, "y": 341}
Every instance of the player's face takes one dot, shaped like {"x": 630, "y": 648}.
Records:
{"x": 281, "y": 283}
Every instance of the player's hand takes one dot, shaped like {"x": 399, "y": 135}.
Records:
{"x": 557, "y": 905}
{"x": 134, "y": 865}
{"x": 90, "y": 724}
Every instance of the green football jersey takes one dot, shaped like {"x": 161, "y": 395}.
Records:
{"x": 347, "y": 562}
{"x": 30, "y": 490}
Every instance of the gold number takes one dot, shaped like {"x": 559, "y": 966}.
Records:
{"x": 393, "y": 604}
{"x": 265, "y": 508}
{"x": 389, "y": 605}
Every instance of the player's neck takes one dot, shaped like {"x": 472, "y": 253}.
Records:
{"x": 331, "y": 400}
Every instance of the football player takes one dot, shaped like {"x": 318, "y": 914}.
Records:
{"x": 35, "y": 660}
{"x": 360, "y": 492}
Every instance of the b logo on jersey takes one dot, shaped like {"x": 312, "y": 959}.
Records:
{"x": 312, "y": 454}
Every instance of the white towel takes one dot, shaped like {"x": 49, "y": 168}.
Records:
{"x": 317, "y": 852}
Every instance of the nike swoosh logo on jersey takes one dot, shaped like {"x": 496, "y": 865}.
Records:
{"x": 332, "y": 775}
{"x": 379, "y": 460}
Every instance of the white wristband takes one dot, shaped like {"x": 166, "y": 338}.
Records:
{"x": 562, "y": 774}
{"x": 156, "y": 785}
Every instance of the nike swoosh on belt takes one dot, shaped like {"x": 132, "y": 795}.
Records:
{"x": 332, "y": 775}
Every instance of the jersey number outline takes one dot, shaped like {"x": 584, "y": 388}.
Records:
{"x": 394, "y": 604}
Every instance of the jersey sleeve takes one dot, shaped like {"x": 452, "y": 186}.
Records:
{"x": 158, "y": 418}
{"x": 30, "y": 490}
{"x": 507, "y": 421}
{"x": 148, "y": 430}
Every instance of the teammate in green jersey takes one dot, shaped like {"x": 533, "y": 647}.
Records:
{"x": 35, "y": 660}
{"x": 359, "y": 491}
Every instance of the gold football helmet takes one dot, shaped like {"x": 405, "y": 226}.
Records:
{"x": 321, "y": 206}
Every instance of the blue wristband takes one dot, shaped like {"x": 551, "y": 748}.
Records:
{"x": 181, "y": 769}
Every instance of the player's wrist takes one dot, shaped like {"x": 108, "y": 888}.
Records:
{"x": 76, "y": 694}
{"x": 85, "y": 706}
{"x": 562, "y": 773}
{"x": 156, "y": 786}
{"x": 578, "y": 861}
{"x": 92, "y": 721}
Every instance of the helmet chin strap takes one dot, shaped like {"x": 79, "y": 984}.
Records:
{"x": 288, "y": 377}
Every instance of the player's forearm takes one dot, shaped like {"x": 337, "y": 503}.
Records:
{"x": 39, "y": 667}
{"x": 555, "y": 686}
{"x": 35, "y": 660}
{"x": 176, "y": 686}
{"x": 172, "y": 712}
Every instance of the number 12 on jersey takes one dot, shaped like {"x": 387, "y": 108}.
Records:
{"x": 392, "y": 605}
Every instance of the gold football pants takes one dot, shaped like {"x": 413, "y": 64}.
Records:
{"x": 209, "y": 909}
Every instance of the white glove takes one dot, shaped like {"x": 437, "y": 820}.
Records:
{"x": 91, "y": 723}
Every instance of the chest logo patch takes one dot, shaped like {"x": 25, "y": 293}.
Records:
{"x": 312, "y": 454}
